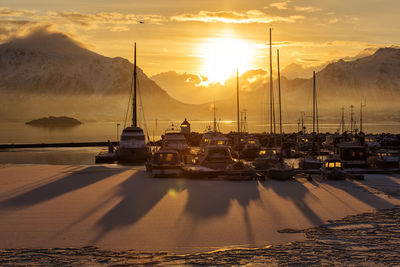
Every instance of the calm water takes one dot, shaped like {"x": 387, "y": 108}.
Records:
{"x": 103, "y": 131}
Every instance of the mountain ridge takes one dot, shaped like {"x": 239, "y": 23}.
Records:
{"x": 51, "y": 71}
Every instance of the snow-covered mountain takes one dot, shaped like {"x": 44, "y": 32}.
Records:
{"x": 375, "y": 77}
{"x": 50, "y": 73}
{"x": 54, "y": 63}
{"x": 371, "y": 76}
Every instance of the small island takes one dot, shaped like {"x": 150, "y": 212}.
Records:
{"x": 55, "y": 121}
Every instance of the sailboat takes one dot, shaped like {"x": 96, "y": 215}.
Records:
{"x": 215, "y": 152}
{"x": 311, "y": 161}
{"x": 281, "y": 170}
{"x": 132, "y": 147}
{"x": 270, "y": 159}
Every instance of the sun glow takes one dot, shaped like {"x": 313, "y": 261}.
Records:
{"x": 222, "y": 56}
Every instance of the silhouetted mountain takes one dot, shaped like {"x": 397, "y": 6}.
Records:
{"x": 53, "y": 67}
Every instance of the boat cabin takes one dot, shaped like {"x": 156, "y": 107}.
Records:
{"x": 216, "y": 157}
{"x": 352, "y": 155}
{"x": 132, "y": 137}
{"x": 304, "y": 142}
{"x": 166, "y": 157}
{"x": 213, "y": 138}
{"x": 166, "y": 163}
{"x": 174, "y": 141}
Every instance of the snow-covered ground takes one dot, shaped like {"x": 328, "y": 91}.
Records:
{"x": 120, "y": 208}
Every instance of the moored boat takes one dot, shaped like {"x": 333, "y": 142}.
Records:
{"x": 251, "y": 149}
{"x": 268, "y": 158}
{"x": 215, "y": 157}
{"x": 352, "y": 155}
{"x": 310, "y": 162}
{"x": 175, "y": 140}
{"x": 166, "y": 163}
{"x": 280, "y": 171}
{"x": 133, "y": 148}
{"x": 332, "y": 169}
{"x": 385, "y": 159}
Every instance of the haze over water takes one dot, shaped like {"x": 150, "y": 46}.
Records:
{"x": 103, "y": 131}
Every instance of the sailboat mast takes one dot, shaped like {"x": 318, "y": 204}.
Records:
{"x": 351, "y": 118}
{"x": 316, "y": 104}
{"x": 342, "y": 119}
{"x": 237, "y": 102}
{"x": 361, "y": 115}
{"x": 134, "y": 116}
{"x": 313, "y": 115}
{"x": 271, "y": 96}
{"x": 215, "y": 121}
{"x": 280, "y": 100}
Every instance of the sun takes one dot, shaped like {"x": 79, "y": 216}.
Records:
{"x": 223, "y": 56}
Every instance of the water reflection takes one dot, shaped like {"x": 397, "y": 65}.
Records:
{"x": 56, "y": 156}
{"x": 54, "y": 128}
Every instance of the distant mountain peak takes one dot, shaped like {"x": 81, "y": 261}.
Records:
{"x": 388, "y": 50}
{"x": 51, "y": 42}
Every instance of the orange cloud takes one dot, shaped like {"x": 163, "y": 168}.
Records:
{"x": 7, "y": 12}
{"x": 280, "y": 5}
{"x": 113, "y": 18}
{"x": 246, "y": 17}
{"x": 307, "y": 8}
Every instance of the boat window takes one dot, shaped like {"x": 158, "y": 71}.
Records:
{"x": 165, "y": 157}
{"x": 353, "y": 153}
{"x": 338, "y": 164}
{"x": 221, "y": 142}
{"x": 361, "y": 153}
{"x": 331, "y": 164}
{"x": 251, "y": 142}
{"x": 263, "y": 152}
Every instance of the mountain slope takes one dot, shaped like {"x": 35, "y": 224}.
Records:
{"x": 53, "y": 67}
{"x": 375, "y": 77}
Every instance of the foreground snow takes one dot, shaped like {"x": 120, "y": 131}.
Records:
{"x": 121, "y": 208}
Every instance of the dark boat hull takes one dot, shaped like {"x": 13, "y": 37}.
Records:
{"x": 310, "y": 165}
{"x": 129, "y": 155}
{"x": 280, "y": 174}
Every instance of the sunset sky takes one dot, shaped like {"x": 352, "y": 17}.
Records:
{"x": 211, "y": 37}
